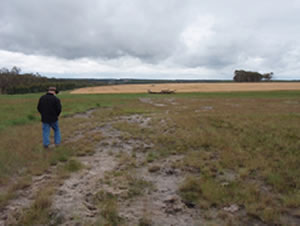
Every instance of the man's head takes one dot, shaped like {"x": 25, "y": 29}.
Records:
{"x": 53, "y": 90}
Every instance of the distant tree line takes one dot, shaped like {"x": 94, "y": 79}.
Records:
{"x": 13, "y": 82}
{"x": 249, "y": 76}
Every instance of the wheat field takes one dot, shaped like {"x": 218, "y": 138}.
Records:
{"x": 190, "y": 87}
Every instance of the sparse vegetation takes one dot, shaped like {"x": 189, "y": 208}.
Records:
{"x": 236, "y": 149}
{"x": 73, "y": 165}
{"x": 145, "y": 222}
{"x": 109, "y": 208}
{"x": 137, "y": 186}
{"x": 38, "y": 213}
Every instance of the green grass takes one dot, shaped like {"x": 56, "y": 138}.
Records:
{"x": 237, "y": 148}
{"x": 21, "y": 109}
{"x": 256, "y": 94}
{"x": 73, "y": 165}
{"x": 257, "y": 140}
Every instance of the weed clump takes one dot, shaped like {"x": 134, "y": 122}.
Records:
{"x": 108, "y": 204}
{"x": 137, "y": 186}
{"x": 39, "y": 212}
{"x": 73, "y": 165}
{"x": 190, "y": 191}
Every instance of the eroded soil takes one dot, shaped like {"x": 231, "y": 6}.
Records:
{"x": 74, "y": 200}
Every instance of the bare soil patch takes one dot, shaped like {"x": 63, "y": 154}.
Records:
{"x": 190, "y": 87}
{"x": 151, "y": 198}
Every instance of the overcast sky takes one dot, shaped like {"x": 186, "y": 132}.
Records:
{"x": 176, "y": 39}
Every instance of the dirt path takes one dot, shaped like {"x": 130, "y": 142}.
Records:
{"x": 74, "y": 202}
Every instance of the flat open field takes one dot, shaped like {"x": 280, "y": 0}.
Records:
{"x": 191, "y": 87}
{"x": 228, "y": 158}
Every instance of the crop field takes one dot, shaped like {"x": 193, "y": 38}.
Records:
{"x": 191, "y": 87}
{"x": 210, "y": 158}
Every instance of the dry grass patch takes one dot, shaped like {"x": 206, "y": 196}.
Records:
{"x": 138, "y": 186}
{"x": 39, "y": 212}
{"x": 190, "y": 87}
{"x": 108, "y": 205}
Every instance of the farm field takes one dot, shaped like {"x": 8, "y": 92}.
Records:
{"x": 215, "y": 158}
{"x": 191, "y": 87}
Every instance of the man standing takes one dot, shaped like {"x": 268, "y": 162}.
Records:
{"x": 49, "y": 107}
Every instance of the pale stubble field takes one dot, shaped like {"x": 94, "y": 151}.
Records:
{"x": 191, "y": 87}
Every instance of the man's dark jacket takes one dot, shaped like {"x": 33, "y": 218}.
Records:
{"x": 50, "y": 108}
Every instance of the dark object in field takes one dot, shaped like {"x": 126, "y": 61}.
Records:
{"x": 164, "y": 91}
{"x": 189, "y": 204}
{"x": 250, "y": 76}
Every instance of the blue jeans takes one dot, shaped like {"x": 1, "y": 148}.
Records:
{"x": 46, "y": 133}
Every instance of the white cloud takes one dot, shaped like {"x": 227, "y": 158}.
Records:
{"x": 178, "y": 39}
{"x": 197, "y": 33}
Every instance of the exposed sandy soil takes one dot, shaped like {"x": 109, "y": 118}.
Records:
{"x": 191, "y": 87}
{"x": 73, "y": 202}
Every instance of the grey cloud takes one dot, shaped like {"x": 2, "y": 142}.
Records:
{"x": 108, "y": 29}
{"x": 151, "y": 31}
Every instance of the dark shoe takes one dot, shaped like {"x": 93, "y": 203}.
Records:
{"x": 46, "y": 146}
